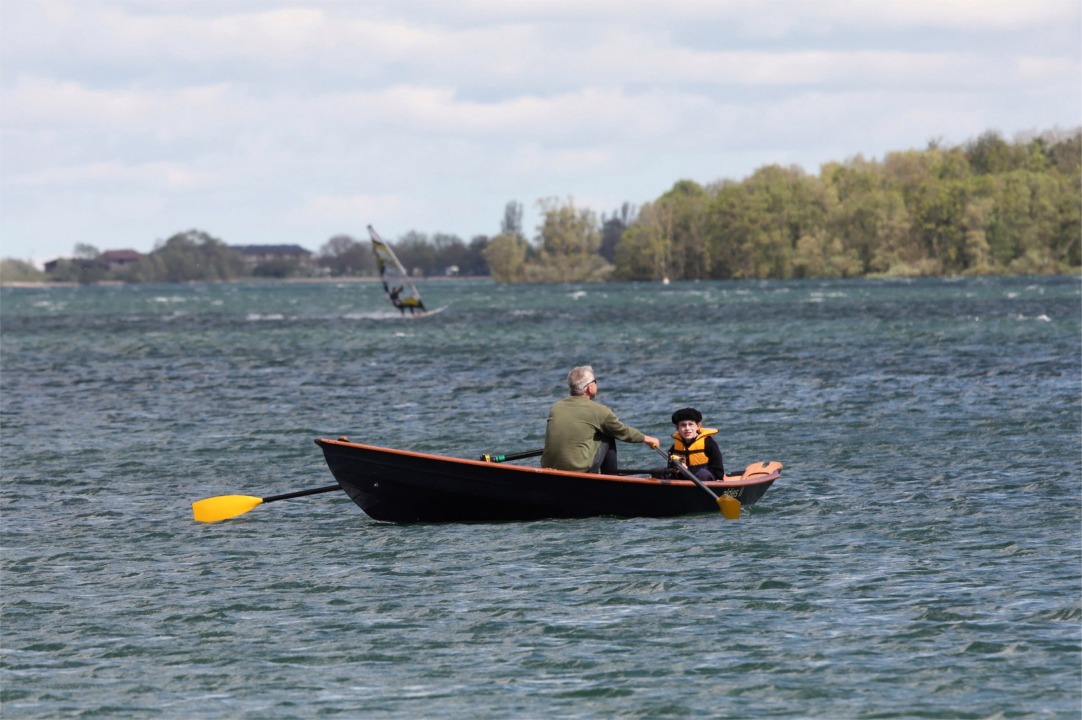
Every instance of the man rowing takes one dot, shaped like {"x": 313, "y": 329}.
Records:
{"x": 581, "y": 433}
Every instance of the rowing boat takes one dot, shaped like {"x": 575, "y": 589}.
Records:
{"x": 403, "y": 486}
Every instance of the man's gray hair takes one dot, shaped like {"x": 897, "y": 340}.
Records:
{"x": 579, "y": 378}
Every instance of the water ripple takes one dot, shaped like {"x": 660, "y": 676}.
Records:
{"x": 919, "y": 558}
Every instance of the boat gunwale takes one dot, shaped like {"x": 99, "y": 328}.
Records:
{"x": 630, "y": 479}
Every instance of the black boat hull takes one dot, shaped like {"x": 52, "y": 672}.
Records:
{"x": 406, "y": 487}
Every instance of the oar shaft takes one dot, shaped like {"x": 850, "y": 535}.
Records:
{"x": 302, "y": 493}
{"x": 513, "y": 456}
{"x": 729, "y": 506}
{"x": 687, "y": 473}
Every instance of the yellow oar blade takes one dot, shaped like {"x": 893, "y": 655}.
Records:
{"x": 730, "y": 507}
{"x": 223, "y": 507}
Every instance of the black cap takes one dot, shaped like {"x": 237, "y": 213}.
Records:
{"x": 686, "y": 414}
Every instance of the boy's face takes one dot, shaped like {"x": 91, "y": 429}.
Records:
{"x": 688, "y": 429}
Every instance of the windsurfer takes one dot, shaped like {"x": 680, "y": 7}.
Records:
{"x": 581, "y": 433}
{"x": 412, "y": 303}
{"x": 395, "y": 301}
{"x": 396, "y": 283}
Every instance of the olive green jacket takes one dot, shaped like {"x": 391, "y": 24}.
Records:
{"x": 575, "y": 428}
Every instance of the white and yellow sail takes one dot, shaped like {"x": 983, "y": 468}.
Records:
{"x": 400, "y": 289}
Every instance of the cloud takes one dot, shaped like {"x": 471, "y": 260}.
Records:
{"x": 98, "y": 175}
{"x": 281, "y": 118}
{"x": 347, "y": 209}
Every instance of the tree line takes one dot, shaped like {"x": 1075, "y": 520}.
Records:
{"x": 985, "y": 207}
{"x": 196, "y": 256}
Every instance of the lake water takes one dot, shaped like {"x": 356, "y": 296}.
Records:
{"x": 921, "y": 555}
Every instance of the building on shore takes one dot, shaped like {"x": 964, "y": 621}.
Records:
{"x": 255, "y": 256}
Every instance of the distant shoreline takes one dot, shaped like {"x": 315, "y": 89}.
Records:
{"x": 442, "y": 278}
{"x": 115, "y": 283}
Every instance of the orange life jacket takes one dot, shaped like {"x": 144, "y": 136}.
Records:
{"x": 693, "y": 455}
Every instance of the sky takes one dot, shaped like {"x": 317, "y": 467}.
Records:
{"x": 125, "y": 122}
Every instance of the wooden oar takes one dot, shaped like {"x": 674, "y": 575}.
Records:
{"x": 514, "y": 456}
{"x": 224, "y": 507}
{"x": 728, "y": 505}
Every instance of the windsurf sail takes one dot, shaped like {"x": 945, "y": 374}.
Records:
{"x": 396, "y": 281}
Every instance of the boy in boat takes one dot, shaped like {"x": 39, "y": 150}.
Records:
{"x": 581, "y": 433}
{"x": 695, "y": 447}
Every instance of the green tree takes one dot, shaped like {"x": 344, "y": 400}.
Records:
{"x": 644, "y": 247}
{"x": 894, "y": 251}
{"x": 278, "y": 268}
{"x": 1038, "y": 222}
{"x": 1064, "y": 151}
{"x": 416, "y": 254}
{"x": 755, "y": 225}
{"x": 343, "y": 255}
{"x": 975, "y": 220}
{"x": 83, "y": 267}
{"x": 683, "y": 210}
{"x": 612, "y": 228}
{"x": 450, "y": 252}
{"x": 12, "y": 270}
{"x": 990, "y": 154}
{"x": 566, "y": 230}
{"x": 474, "y": 264}
{"x": 819, "y": 255}
{"x": 505, "y": 255}
{"x": 1068, "y": 242}
{"x": 188, "y": 257}
{"x": 511, "y": 224}
{"x": 866, "y": 210}
{"x": 988, "y": 207}
{"x": 570, "y": 240}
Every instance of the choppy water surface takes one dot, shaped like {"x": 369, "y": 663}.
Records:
{"x": 920, "y": 556}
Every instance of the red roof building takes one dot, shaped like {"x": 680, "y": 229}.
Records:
{"x": 113, "y": 259}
